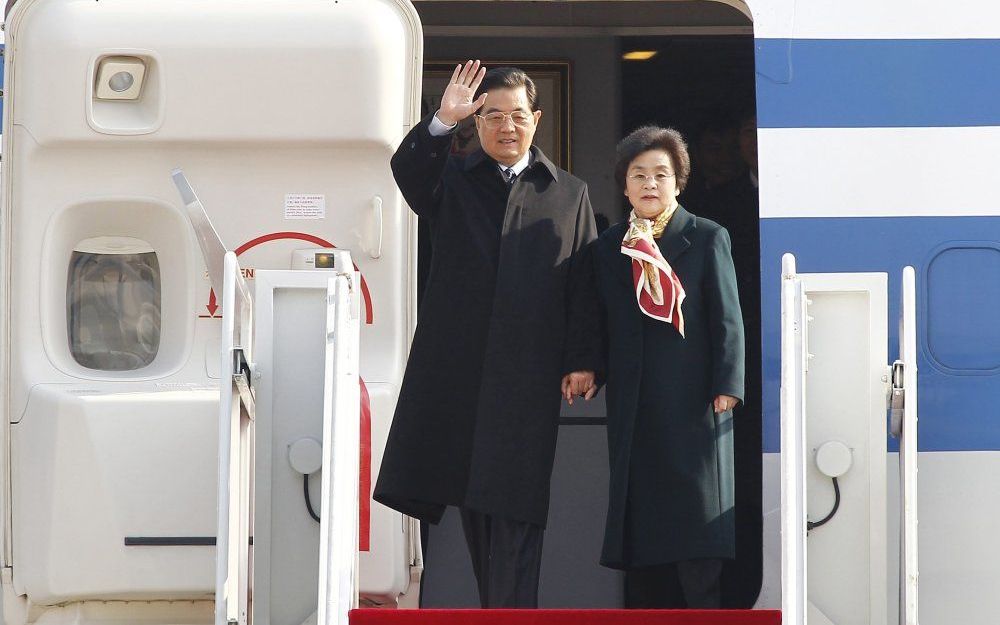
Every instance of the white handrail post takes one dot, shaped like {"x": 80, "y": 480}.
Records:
{"x": 235, "y": 432}
{"x": 225, "y": 449}
{"x": 908, "y": 453}
{"x": 235, "y": 453}
{"x": 341, "y": 449}
{"x": 793, "y": 505}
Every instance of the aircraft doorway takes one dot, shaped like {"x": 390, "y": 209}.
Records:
{"x": 704, "y": 87}
{"x": 701, "y": 81}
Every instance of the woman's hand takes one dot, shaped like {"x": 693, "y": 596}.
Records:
{"x": 578, "y": 383}
{"x": 457, "y": 103}
{"x": 724, "y": 403}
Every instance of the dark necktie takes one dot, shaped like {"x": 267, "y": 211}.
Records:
{"x": 509, "y": 176}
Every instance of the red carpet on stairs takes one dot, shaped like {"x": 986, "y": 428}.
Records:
{"x": 565, "y": 617}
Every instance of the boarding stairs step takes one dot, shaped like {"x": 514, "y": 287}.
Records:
{"x": 565, "y": 617}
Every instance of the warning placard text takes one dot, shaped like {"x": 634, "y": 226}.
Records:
{"x": 305, "y": 206}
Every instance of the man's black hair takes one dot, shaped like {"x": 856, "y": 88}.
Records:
{"x": 509, "y": 78}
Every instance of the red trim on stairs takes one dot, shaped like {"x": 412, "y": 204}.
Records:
{"x": 565, "y": 617}
{"x": 365, "y": 479}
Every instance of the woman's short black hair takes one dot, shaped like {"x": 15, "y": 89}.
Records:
{"x": 649, "y": 138}
{"x": 509, "y": 78}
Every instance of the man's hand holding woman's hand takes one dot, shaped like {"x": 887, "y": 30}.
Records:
{"x": 578, "y": 383}
{"x": 457, "y": 102}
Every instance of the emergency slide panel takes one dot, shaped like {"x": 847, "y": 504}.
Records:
{"x": 236, "y": 415}
{"x": 793, "y": 413}
{"x": 905, "y": 426}
{"x": 338, "y": 551}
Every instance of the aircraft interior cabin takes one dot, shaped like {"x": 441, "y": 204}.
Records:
{"x": 604, "y": 69}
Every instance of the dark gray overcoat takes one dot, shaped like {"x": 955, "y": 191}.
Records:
{"x": 671, "y": 485}
{"x": 509, "y": 308}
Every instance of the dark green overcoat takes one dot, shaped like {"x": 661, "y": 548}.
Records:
{"x": 671, "y": 486}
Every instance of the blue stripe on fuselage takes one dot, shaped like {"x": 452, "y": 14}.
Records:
{"x": 957, "y": 409}
{"x": 866, "y": 83}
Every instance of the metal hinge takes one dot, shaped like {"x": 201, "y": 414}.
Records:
{"x": 243, "y": 379}
{"x": 241, "y": 366}
{"x": 897, "y": 398}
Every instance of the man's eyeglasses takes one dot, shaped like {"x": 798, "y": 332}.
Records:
{"x": 518, "y": 118}
{"x": 659, "y": 178}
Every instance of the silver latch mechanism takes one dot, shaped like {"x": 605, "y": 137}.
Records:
{"x": 897, "y": 399}
{"x": 243, "y": 380}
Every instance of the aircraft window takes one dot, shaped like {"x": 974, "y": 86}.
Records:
{"x": 113, "y": 304}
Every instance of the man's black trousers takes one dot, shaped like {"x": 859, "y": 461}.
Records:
{"x": 506, "y": 558}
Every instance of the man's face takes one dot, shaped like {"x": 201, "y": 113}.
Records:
{"x": 506, "y": 142}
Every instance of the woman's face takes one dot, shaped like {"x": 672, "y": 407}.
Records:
{"x": 650, "y": 184}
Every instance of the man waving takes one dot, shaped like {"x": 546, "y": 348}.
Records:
{"x": 508, "y": 325}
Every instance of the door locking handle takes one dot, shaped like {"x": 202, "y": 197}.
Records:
{"x": 375, "y": 226}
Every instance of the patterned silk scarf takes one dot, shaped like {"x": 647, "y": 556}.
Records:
{"x": 657, "y": 288}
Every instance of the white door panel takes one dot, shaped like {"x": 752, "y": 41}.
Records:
{"x": 834, "y": 354}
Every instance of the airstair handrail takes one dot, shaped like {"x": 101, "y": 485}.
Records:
{"x": 341, "y": 448}
{"x": 908, "y": 453}
{"x": 793, "y": 446}
{"x": 236, "y": 409}
{"x": 236, "y": 414}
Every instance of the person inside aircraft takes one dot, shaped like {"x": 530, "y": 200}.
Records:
{"x": 508, "y": 318}
{"x": 675, "y": 372}
{"x": 735, "y": 206}
{"x": 716, "y": 159}
{"x": 741, "y": 189}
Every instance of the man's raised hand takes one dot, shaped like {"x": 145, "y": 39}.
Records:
{"x": 457, "y": 102}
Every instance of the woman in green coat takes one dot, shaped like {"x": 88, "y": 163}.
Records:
{"x": 675, "y": 372}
